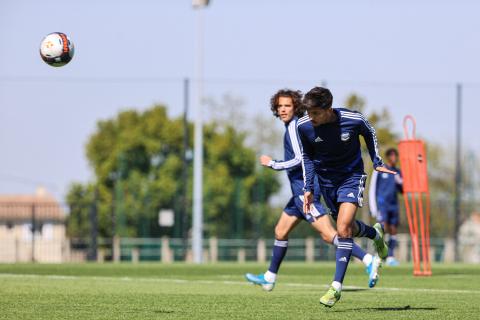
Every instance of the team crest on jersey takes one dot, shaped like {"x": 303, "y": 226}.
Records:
{"x": 385, "y": 175}
{"x": 345, "y": 136}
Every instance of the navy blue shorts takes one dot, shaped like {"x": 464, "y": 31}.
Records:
{"x": 388, "y": 215}
{"x": 294, "y": 208}
{"x": 348, "y": 190}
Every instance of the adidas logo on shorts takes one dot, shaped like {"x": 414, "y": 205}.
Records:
{"x": 351, "y": 195}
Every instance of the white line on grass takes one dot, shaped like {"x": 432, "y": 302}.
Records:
{"x": 186, "y": 281}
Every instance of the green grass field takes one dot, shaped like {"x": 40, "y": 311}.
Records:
{"x": 181, "y": 291}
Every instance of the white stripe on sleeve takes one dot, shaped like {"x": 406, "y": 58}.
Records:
{"x": 292, "y": 133}
{"x": 372, "y": 195}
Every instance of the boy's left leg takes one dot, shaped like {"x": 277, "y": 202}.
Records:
{"x": 323, "y": 225}
{"x": 351, "y": 191}
{"x": 345, "y": 219}
{"x": 287, "y": 222}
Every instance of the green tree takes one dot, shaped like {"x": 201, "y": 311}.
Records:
{"x": 137, "y": 161}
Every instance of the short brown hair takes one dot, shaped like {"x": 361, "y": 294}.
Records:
{"x": 295, "y": 95}
{"x": 318, "y": 97}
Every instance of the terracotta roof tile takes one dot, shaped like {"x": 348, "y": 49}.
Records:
{"x": 20, "y": 208}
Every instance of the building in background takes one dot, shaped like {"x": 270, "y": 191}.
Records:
{"x": 32, "y": 228}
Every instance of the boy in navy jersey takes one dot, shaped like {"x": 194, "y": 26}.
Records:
{"x": 286, "y": 105}
{"x": 383, "y": 201}
{"x": 331, "y": 151}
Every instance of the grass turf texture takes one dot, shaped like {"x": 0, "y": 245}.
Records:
{"x": 181, "y": 291}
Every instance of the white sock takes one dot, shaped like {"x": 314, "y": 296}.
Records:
{"x": 367, "y": 259}
{"x": 270, "y": 276}
{"x": 337, "y": 285}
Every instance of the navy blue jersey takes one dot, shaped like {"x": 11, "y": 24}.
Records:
{"x": 383, "y": 191}
{"x": 292, "y": 158}
{"x": 332, "y": 150}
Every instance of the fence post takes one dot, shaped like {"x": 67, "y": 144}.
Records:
{"x": 432, "y": 254}
{"x": 17, "y": 254}
{"x": 205, "y": 255}
{"x": 33, "y": 232}
{"x": 67, "y": 254}
{"x": 449, "y": 250}
{"x": 93, "y": 217}
{"x": 309, "y": 250}
{"x": 261, "y": 251}
{"x": 116, "y": 249}
{"x": 100, "y": 255}
{"x": 135, "y": 255}
{"x": 189, "y": 256}
{"x": 402, "y": 251}
{"x": 241, "y": 255}
{"x": 166, "y": 252}
{"x": 213, "y": 243}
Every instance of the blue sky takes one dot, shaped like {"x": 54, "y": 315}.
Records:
{"x": 406, "y": 55}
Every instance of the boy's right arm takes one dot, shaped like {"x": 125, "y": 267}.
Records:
{"x": 307, "y": 162}
{"x": 308, "y": 171}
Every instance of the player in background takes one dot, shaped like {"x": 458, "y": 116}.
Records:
{"x": 331, "y": 151}
{"x": 383, "y": 201}
{"x": 286, "y": 105}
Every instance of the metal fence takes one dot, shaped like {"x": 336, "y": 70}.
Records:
{"x": 167, "y": 250}
{"x": 33, "y": 229}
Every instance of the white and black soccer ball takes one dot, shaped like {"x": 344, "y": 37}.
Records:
{"x": 56, "y": 49}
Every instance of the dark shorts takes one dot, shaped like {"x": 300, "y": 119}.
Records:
{"x": 388, "y": 215}
{"x": 348, "y": 190}
{"x": 294, "y": 208}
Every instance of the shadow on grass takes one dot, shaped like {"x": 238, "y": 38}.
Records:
{"x": 163, "y": 311}
{"x": 405, "y": 308}
{"x": 354, "y": 289}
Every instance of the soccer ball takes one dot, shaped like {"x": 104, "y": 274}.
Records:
{"x": 56, "y": 49}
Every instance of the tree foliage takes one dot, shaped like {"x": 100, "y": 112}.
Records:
{"x": 137, "y": 159}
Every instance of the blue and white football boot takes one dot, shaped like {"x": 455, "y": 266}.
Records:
{"x": 372, "y": 271}
{"x": 260, "y": 280}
